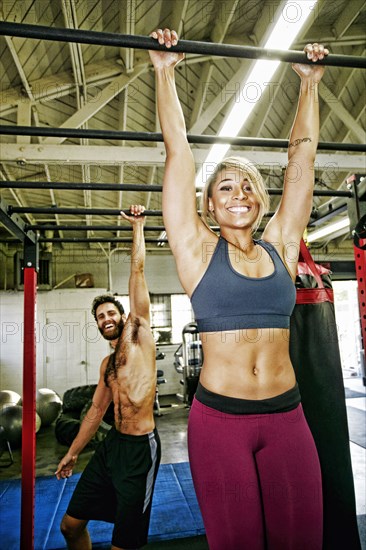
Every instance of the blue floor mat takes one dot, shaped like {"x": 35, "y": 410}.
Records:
{"x": 175, "y": 513}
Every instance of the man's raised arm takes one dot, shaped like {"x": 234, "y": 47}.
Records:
{"x": 138, "y": 292}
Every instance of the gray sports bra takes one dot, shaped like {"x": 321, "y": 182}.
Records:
{"x": 226, "y": 300}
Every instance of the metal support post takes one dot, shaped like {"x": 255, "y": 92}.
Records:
{"x": 357, "y": 209}
{"x": 29, "y": 397}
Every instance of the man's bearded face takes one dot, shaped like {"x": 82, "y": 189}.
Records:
{"x": 112, "y": 330}
{"x": 110, "y": 321}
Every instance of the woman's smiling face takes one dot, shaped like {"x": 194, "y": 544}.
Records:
{"x": 234, "y": 202}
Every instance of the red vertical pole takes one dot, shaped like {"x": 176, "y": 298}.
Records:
{"x": 360, "y": 262}
{"x": 29, "y": 411}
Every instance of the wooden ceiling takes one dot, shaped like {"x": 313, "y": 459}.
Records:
{"x": 55, "y": 84}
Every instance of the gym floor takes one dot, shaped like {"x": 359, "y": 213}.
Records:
{"x": 172, "y": 426}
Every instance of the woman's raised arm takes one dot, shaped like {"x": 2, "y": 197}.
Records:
{"x": 181, "y": 220}
{"x": 294, "y": 210}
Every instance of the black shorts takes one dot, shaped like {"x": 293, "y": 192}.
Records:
{"x": 117, "y": 486}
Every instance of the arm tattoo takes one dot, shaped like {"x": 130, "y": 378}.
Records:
{"x": 297, "y": 141}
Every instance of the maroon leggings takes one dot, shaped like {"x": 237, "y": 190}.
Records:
{"x": 257, "y": 479}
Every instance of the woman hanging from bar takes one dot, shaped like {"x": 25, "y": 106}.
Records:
{"x": 253, "y": 460}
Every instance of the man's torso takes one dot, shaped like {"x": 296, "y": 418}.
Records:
{"x": 131, "y": 375}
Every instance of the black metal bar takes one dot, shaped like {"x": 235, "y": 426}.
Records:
{"x": 316, "y": 192}
{"x": 156, "y": 240}
{"x": 14, "y": 224}
{"x": 328, "y": 216}
{"x": 187, "y": 46}
{"x": 38, "y": 131}
{"x": 93, "y": 186}
{"x": 136, "y": 187}
{"x": 53, "y": 227}
{"x": 84, "y": 211}
{"x": 75, "y": 211}
{"x": 356, "y": 206}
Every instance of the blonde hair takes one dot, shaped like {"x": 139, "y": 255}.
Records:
{"x": 248, "y": 170}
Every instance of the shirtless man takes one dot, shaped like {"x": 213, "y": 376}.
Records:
{"x": 117, "y": 484}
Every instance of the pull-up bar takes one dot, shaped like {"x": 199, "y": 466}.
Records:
{"x": 53, "y": 227}
{"x": 74, "y": 211}
{"x": 92, "y": 186}
{"x": 158, "y": 137}
{"x": 82, "y": 211}
{"x": 142, "y": 187}
{"x": 186, "y": 46}
{"x": 155, "y": 240}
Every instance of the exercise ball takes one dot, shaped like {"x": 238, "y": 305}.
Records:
{"x": 9, "y": 398}
{"x": 48, "y": 405}
{"x": 11, "y": 420}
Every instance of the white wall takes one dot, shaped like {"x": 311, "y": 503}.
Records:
{"x": 63, "y": 302}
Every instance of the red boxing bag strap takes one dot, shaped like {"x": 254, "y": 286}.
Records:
{"x": 312, "y": 295}
{"x": 306, "y": 257}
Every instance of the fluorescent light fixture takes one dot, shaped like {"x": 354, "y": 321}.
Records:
{"x": 319, "y": 234}
{"x": 161, "y": 236}
{"x": 291, "y": 19}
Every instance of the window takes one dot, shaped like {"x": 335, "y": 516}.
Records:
{"x": 182, "y": 314}
{"x": 161, "y": 319}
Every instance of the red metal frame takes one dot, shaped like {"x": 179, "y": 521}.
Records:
{"x": 29, "y": 411}
{"x": 360, "y": 262}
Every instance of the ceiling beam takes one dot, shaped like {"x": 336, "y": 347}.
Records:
{"x": 93, "y": 106}
{"x": 275, "y": 88}
{"x": 122, "y": 124}
{"x": 127, "y": 26}
{"x": 270, "y": 93}
{"x": 178, "y": 15}
{"x": 70, "y": 18}
{"x": 346, "y": 18}
{"x": 5, "y": 174}
{"x": 112, "y": 155}
{"x": 28, "y": 107}
{"x": 336, "y": 106}
{"x": 76, "y": 54}
{"x": 24, "y": 116}
{"x": 60, "y": 84}
{"x": 262, "y": 30}
{"x": 26, "y": 87}
{"x": 227, "y": 92}
{"x": 14, "y": 224}
{"x": 359, "y": 115}
{"x": 217, "y": 35}
{"x": 342, "y": 84}
{"x": 77, "y": 67}
{"x": 318, "y": 32}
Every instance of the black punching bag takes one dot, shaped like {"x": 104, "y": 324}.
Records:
{"x": 315, "y": 355}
